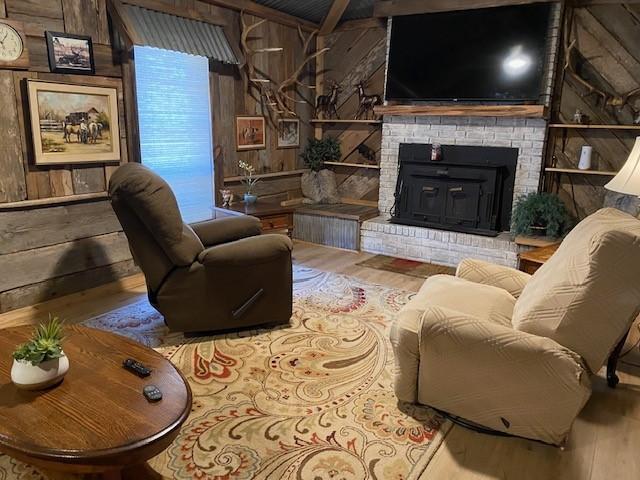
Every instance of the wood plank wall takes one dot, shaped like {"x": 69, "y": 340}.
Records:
{"x": 356, "y": 55}
{"x": 53, "y": 250}
{"x": 608, "y": 37}
{"x": 46, "y": 251}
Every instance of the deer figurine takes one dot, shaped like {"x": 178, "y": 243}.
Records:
{"x": 366, "y": 103}
{"x": 327, "y": 104}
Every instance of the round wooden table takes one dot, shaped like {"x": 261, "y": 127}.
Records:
{"x": 97, "y": 420}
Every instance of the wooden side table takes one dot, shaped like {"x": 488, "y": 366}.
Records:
{"x": 274, "y": 217}
{"x": 97, "y": 420}
{"x": 533, "y": 259}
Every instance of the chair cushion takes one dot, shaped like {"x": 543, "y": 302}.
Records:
{"x": 484, "y": 302}
{"x": 150, "y": 198}
{"x": 587, "y": 294}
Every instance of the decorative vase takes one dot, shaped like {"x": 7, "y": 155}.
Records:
{"x": 26, "y": 376}
{"x": 585, "y": 157}
{"x": 250, "y": 198}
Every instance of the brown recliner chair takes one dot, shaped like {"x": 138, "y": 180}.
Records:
{"x": 213, "y": 275}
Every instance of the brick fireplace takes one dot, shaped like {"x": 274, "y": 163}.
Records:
{"x": 439, "y": 246}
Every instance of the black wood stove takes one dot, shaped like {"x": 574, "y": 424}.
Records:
{"x": 464, "y": 188}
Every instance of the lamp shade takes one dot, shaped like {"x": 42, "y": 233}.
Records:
{"x": 627, "y": 180}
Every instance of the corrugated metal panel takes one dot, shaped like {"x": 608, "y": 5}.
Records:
{"x": 161, "y": 30}
{"x": 312, "y": 10}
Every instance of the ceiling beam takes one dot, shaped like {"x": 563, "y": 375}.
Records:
{"x": 271, "y": 14}
{"x": 391, "y": 8}
{"x": 333, "y": 16}
{"x": 361, "y": 24}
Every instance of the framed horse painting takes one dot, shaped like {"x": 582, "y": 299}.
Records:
{"x": 250, "y": 133}
{"x": 73, "y": 123}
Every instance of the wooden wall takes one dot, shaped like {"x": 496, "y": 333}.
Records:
{"x": 47, "y": 248}
{"x": 50, "y": 248}
{"x": 356, "y": 55}
{"x": 608, "y": 40}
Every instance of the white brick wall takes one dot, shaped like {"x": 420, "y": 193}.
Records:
{"x": 527, "y": 135}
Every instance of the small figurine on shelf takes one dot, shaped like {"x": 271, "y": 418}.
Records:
{"x": 580, "y": 118}
{"x": 367, "y": 152}
{"x": 436, "y": 152}
{"x": 366, "y": 103}
{"x": 227, "y": 198}
{"x": 326, "y": 105}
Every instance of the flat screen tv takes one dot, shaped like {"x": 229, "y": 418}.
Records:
{"x": 489, "y": 54}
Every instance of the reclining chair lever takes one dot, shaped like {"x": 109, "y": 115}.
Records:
{"x": 246, "y": 305}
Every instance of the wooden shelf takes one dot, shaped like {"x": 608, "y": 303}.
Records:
{"x": 321, "y": 120}
{"x": 580, "y": 172}
{"x": 358, "y": 165}
{"x": 522, "y": 111}
{"x": 579, "y": 126}
{"x": 51, "y": 201}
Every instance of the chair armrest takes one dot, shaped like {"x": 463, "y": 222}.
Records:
{"x": 249, "y": 251}
{"x": 509, "y": 279}
{"x": 223, "y": 230}
{"x": 501, "y": 378}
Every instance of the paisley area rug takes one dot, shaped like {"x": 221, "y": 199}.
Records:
{"x": 310, "y": 401}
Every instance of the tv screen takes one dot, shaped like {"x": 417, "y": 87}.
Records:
{"x": 490, "y": 54}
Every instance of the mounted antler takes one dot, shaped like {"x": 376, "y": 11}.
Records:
{"x": 276, "y": 99}
{"x": 608, "y": 100}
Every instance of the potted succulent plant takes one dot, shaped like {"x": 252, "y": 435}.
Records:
{"x": 40, "y": 363}
{"x": 541, "y": 214}
{"x": 249, "y": 181}
{"x": 319, "y": 185}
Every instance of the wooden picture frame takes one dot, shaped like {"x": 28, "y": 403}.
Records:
{"x": 73, "y": 123}
{"x": 70, "y": 53}
{"x": 250, "y": 133}
{"x": 288, "y": 133}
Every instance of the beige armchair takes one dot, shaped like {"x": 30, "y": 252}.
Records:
{"x": 513, "y": 352}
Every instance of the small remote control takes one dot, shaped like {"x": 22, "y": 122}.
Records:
{"x": 136, "y": 367}
{"x": 152, "y": 393}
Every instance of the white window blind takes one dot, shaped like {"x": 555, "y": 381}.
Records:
{"x": 174, "y": 115}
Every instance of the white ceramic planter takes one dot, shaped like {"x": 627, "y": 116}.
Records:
{"x": 36, "y": 377}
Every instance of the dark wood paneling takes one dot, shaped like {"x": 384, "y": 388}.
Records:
{"x": 12, "y": 180}
{"x": 87, "y": 17}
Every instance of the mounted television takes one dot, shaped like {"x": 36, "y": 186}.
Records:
{"x": 488, "y": 55}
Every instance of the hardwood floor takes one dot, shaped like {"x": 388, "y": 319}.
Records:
{"x": 603, "y": 443}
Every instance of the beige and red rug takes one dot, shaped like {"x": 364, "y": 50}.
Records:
{"x": 310, "y": 401}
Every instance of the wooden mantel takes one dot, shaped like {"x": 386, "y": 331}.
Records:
{"x": 522, "y": 111}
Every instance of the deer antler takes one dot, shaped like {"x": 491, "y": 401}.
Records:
{"x": 277, "y": 100}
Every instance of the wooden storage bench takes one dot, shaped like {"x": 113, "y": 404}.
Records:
{"x": 332, "y": 225}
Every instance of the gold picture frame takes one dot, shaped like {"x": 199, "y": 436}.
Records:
{"x": 73, "y": 123}
{"x": 250, "y": 133}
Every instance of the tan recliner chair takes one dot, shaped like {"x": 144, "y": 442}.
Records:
{"x": 513, "y": 352}
{"x": 212, "y": 275}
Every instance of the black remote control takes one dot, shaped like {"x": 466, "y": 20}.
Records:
{"x": 136, "y": 367}
{"x": 152, "y": 393}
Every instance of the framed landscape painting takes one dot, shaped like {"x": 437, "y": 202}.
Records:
{"x": 288, "y": 133}
{"x": 250, "y": 133}
{"x": 73, "y": 123}
{"x": 70, "y": 53}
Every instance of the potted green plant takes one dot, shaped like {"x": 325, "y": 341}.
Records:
{"x": 40, "y": 363}
{"x": 319, "y": 184}
{"x": 249, "y": 181}
{"x": 541, "y": 214}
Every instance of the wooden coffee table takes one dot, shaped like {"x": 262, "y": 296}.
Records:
{"x": 97, "y": 420}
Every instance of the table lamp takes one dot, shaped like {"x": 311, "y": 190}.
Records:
{"x": 627, "y": 181}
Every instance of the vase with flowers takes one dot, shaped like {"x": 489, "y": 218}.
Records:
{"x": 249, "y": 181}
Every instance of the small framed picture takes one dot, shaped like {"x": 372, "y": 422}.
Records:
{"x": 70, "y": 53}
{"x": 288, "y": 133}
{"x": 250, "y": 133}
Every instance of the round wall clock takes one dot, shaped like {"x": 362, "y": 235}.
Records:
{"x": 11, "y": 46}
{"x": 13, "y": 50}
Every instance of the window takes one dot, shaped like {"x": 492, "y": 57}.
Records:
{"x": 174, "y": 115}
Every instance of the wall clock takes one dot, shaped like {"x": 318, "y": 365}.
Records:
{"x": 13, "y": 45}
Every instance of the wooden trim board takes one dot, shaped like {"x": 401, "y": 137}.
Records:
{"x": 522, "y": 111}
